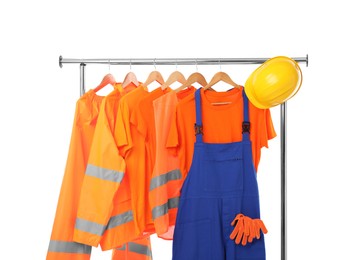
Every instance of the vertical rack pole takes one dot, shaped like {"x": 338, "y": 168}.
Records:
{"x": 82, "y": 79}
{"x": 283, "y": 165}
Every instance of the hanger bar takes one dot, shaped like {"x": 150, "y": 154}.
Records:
{"x": 172, "y": 61}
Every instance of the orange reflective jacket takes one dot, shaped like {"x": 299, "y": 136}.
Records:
{"x": 62, "y": 246}
{"x": 105, "y": 213}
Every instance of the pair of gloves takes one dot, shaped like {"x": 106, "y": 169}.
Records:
{"x": 246, "y": 229}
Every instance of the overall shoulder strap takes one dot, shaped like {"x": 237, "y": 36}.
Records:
{"x": 198, "y": 127}
{"x": 245, "y": 124}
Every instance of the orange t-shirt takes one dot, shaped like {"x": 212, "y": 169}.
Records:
{"x": 144, "y": 119}
{"x": 164, "y": 110}
{"x": 132, "y": 148}
{"x": 222, "y": 123}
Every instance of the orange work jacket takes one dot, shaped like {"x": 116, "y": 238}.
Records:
{"x": 105, "y": 213}
{"x": 62, "y": 246}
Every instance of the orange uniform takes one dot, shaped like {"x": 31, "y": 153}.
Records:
{"x": 131, "y": 146}
{"x": 143, "y": 119}
{"x": 105, "y": 214}
{"x": 215, "y": 108}
{"x": 61, "y": 243}
{"x": 166, "y": 177}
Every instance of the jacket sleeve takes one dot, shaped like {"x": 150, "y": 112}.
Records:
{"x": 103, "y": 176}
{"x": 61, "y": 244}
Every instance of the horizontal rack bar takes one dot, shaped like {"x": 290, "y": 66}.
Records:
{"x": 172, "y": 61}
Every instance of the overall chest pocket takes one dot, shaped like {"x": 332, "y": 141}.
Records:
{"x": 222, "y": 170}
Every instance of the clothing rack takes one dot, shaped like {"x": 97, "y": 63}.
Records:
{"x": 211, "y": 61}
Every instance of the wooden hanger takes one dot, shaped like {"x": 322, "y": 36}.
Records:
{"x": 175, "y": 76}
{"x": 154, "y": 76}
{"x": 221, "y": 76}
{"x": 108, "y": 79}
{"x": 130, "y": 77}
{"x": 194, "y": 77}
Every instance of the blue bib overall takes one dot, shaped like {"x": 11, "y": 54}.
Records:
{"x": 220, "y": 184}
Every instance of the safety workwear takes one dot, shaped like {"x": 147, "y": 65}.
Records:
{"x": 62, "y": 246}
{"x": 166, "y": 180}
{"x": 143, "y": 119}
{"x": 105, "y": 213}
{"x": 220, "y": 183}
{"x": 131, "y": 146}
{"x": 274, "y": 82}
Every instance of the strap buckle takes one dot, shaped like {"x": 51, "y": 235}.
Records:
{"x": 198, "y": 129}
{"x": 246, "y": 127}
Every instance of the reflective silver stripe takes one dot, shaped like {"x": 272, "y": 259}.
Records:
{"x": 137, "y": 248}
{"x": 120, "y": 219}
{"x": 163, "y": 209}
{"x": 98, "y": 229}
{"x": 89, "y": 226}
{"x": 164, "y": 178}
{"x": 69, "y": 247}
{"x": 104, "y": 174}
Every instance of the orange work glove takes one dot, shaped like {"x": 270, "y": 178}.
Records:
{"x": 258, "y": 226}
{"x": 246, "y": 229}
{"x": 241, "y": 229}
{"x": 238, "y": 231}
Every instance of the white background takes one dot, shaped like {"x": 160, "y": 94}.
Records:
{"x": 38, "y": 102}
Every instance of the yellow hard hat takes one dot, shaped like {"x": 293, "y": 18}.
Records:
{"x": 274, "y": 82}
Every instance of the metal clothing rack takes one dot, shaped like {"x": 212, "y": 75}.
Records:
{"x": 211, "y": 61}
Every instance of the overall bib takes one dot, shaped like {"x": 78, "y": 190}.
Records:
{"x": 220, "y": 184}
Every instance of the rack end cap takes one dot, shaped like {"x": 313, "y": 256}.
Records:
{"x": 60, "y": 61}
{"x": 307, "y": 61}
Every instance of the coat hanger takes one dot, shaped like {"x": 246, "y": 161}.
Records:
{"x": 175, "y": 76}
{"x": 221, "y": 76}
{"x": 108, "y": 79}
{"x": 130, "y": 77}
{"x": 154, "y": 76}
{"x": 194, "y": 77}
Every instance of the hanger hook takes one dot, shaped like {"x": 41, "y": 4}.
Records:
{"x": 154, "y": 63}
{"x": 176, "y": 65}
{"x": 220, "y": 65}
{"x": 109, "y": 66}
{"x": 196, "y": 65}
{"x": 130, "y": 64}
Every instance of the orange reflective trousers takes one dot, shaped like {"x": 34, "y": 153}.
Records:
{"x": 62, "y": 245}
